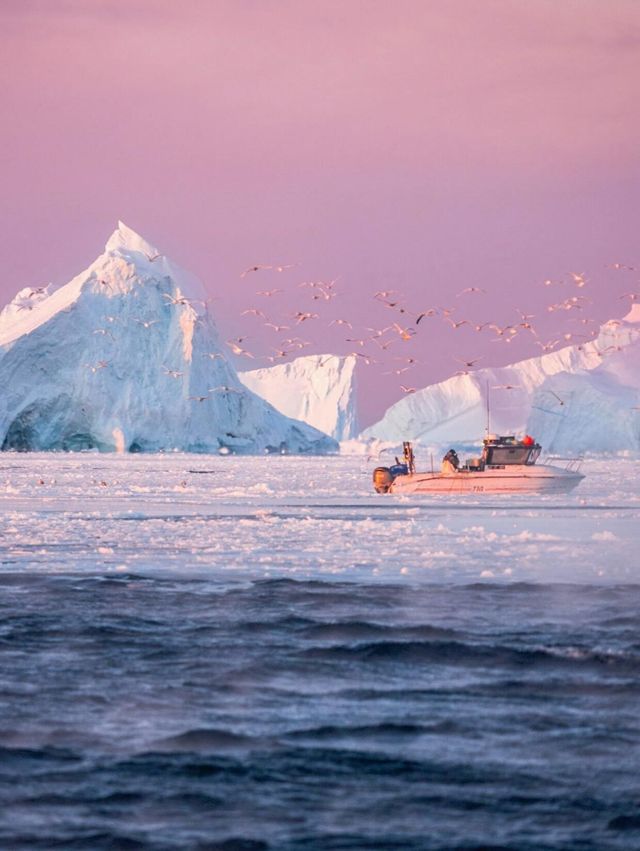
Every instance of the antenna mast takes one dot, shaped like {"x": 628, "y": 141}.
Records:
{"x": 488, "y": 426}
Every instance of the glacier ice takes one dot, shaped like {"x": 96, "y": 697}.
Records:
{"x": 317, "y": 389}
{"x": 126, "y": 356}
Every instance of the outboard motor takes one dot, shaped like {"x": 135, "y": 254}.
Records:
{"x": 382, "y": 479}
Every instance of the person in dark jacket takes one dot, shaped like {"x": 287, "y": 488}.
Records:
{"x": 450, "y": 463}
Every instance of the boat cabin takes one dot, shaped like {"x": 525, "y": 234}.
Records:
{"x": 502, "y": 451}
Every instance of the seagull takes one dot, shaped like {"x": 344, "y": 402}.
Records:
{"x": 404, "y": 333}
{"x": 468, "y": 363}
{"x": 432, "y": 311}
{"x": 471, "y": 290}
{"x": 457, "y": 324}
{"x": 146, "y": 323}
{"x": 198, "y": 398}
{"x": 152, "y": 257}
{"x": 213, "y": 355}
{"x": 253, "y": 311}
{"x": 579, "y": 278}
{"x": 620, "y": 266}
{"x": 365, "y": 358}
{"x": 276, "y": 327}
{"x": 38, "y": 291}
{"x": 546, "y": 347}
{"x": 279, "y": 353}
{"x": 105, "y": 332}
{"x": 296, "y": 342}
{"x": 268, "y": 293}
{"x": 341, "y": 322}
{"x": 104, "y": 283}
{"x": 357, "y": 342}
{"x": 410, "y": 361}
{"x": 222, "y": 388}
{"x": 406, "y": 389}
{"x": 255, "y": 268}
{"x": 174, "y": 373}
{"x": 397, "y": 371}
{"x": 302, "y": 316}
{"x": 282, "y": 267}
{"x": 502, "y": 331}
{"x": 237, "y": 350}
{"x": 378, "y": 332}
{"x": 506, "y": 387}
{"x": 180, "y": 299}
{"x": 100, "y": 365}
{"x": 631, "y": 296}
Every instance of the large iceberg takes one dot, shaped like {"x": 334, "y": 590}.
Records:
{"x": 578, "y": 398}
{"x": 317, "y": 389}
{"x": 126, "y": 356}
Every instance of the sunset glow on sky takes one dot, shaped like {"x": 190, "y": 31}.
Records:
{"x": 412, "y": 146}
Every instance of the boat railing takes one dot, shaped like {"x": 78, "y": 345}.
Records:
{"x": 571, "y": 465}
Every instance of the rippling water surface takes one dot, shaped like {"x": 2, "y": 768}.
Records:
{"x": 261, "y": 654}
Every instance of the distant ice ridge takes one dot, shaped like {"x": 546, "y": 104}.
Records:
{"x": 317, "y": 389}
{"x": 125, "y": 357}
{"x": 577, "y": 399}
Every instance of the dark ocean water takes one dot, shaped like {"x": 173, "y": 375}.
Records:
{"x": 142, "y": 713}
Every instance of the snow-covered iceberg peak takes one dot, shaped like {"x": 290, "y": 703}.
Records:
{"x": 124, "y": 357}
{"x": 317, "y": 389}
{"x": 125, "y": 240}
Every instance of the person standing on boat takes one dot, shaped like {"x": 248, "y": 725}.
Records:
{"x": 450, "y": 463}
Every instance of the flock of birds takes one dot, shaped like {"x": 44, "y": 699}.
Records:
{"x": 404, "y": 324}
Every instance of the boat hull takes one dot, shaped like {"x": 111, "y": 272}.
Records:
{"x": 515, "y": 479}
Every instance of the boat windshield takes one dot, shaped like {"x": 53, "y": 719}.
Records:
{"x": 512, "y": 455}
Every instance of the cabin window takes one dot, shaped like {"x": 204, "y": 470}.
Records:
{"x": 509, "y": 455}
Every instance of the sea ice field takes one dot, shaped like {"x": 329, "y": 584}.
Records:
{"x": 260, "y": 653}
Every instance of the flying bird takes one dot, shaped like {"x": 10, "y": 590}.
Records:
{"x": 276, "y": 327}
{"x": 100, "y": 365}
{"x": 223, "y": 388}
{"x": 303, "y": 316}
{"x": 146, "y": 323}
{"x": 457, "y": 324}
{"x": 238, "y": 350}
{"x": 471, "y": 290}
{"x": 173, "y": 373}
{"x": 468, "y": 363}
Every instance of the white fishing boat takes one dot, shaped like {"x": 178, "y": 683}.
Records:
{"x": 506, "y": 465}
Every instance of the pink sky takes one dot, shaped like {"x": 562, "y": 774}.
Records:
{"x": 418, "y": 146}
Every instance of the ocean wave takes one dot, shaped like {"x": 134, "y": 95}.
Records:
{"x": 464, "y": 653}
